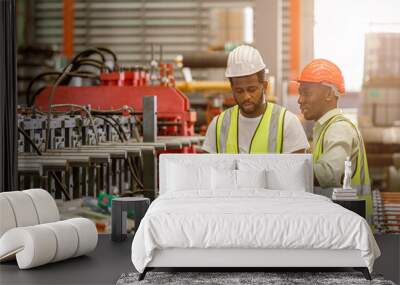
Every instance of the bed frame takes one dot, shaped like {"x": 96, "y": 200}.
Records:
{"x": 242, "y": 259}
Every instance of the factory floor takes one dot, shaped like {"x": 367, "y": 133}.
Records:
{"x": 110, "y": 259}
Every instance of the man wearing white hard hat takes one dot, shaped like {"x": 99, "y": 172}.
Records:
{"x": 253, "y": 125}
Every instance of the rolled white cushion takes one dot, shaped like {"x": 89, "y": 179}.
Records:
{"x": 23, "y": 208}
{"x": 45, "y": 205}
{"x": 33, "y": 246}
{"x": 66, "y": 238}
{"x": 87, "y": 235}
{"x": 37, "y": 245}
{"x": 7, "y": 218}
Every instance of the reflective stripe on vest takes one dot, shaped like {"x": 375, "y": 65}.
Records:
{"x": 360, "y": 178}
{"x": 267, "y": 138}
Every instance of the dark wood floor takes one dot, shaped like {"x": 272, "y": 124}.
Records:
{"x": 102, "y": 266}
{"x": 110, "y": 259}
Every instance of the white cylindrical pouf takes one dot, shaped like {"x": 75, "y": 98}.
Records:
{"x": 23, "y": 207}
{"x": 87, "y": 234}
{"x": 67, "y": 239}
{"x": 7, "y": 217}
{"x": 45, "y": 205}
{"x": 36, "y": 245}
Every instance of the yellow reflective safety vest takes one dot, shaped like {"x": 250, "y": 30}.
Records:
{"x": 360, "y": 179}
{"x": 267, "y": 138}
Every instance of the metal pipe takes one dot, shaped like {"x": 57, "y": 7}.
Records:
{"x": 204, "y": 86}
{"x": 203, "y": 59}
{"x": 8, "y": 97}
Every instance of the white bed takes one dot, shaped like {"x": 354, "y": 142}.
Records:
{"x": 201, "y": 220}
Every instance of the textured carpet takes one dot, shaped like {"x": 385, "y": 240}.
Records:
{"x": 225, "y": 278}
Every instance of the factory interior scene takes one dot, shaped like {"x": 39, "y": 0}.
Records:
{"x": 199, "y": 142}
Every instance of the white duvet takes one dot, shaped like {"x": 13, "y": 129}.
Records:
{"x": 253, "y": 218}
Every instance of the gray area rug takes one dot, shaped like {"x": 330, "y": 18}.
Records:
{"x": 225, "y": 278}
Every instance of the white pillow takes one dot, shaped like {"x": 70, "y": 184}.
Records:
{"x": 251, "y": 178}
{"x": 223, "y": 179}
{"x": 281, "y": 174}
{"x": 296, "y": 181}
{"x": 188, "y": 177}
{"x": 224, "y": 164}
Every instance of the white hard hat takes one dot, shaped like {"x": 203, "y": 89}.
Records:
{"x": 244, "y": 60}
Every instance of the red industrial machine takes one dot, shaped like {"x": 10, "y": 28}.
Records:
{"x": 127, "y": 88}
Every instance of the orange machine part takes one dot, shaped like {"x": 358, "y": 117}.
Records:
{"x": 68, "y": 28}
{"x": 294, "y": 41}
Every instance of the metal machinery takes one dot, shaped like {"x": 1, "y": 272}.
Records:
{"x": 387, "y": 212}
{"x": 379, "y": 125}
{"x": 104, "y": 135}
{"x": 210, "y": 98}
{"x": 380, "y": 104}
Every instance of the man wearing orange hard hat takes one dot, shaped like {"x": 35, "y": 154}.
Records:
{"x": 335, "y": 138}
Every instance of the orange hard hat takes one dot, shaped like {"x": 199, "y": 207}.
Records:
{"x": 323, "y": 71}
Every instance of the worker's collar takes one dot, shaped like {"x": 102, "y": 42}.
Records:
{"x": 328, "y": 115}
{"x": 249, "y": 119}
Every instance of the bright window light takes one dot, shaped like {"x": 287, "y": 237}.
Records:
{"x": 248, "y": 25}
{"x": 340, "y": 28}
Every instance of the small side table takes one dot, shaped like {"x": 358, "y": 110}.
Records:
{"x": 356, "y": 205}
{"x": 119, "y": 213}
